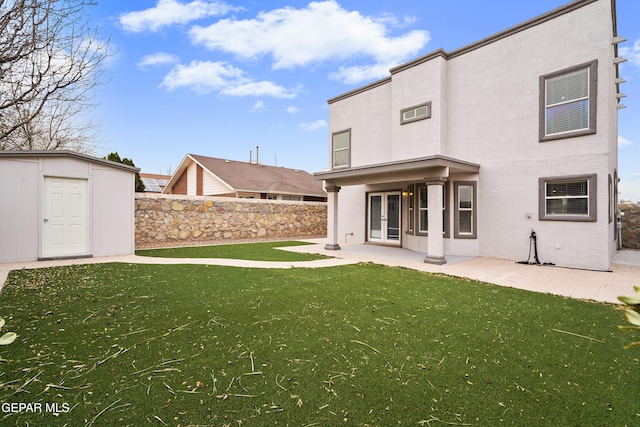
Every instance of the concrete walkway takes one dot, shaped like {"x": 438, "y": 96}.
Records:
{"x": 583, "y": 284}
{"x": 135, "y": 259}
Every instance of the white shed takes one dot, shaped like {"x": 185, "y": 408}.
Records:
{"x": 63, "y": 204}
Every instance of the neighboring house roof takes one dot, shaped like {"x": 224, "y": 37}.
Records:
{"x": 66, "y": 153}
{"x": 252, "y": 177}
{"x": 153, "y": 182}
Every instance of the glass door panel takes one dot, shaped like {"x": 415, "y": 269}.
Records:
{"x": 375, "y": 216}
{"x": 393, "y": 217}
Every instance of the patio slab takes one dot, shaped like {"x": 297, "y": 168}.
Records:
{"x": 602, "y": 286}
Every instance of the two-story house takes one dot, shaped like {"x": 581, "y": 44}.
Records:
{"x": 467, "y": 152}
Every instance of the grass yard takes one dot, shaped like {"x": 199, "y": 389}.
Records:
{"x": 263, "y": 251}
{"x": 361, "y": 345}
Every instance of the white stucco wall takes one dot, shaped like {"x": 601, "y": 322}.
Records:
{"x": 416, "y": 86}
{"x": 351, "y": 214}
{"x": 111, "y": 204}
{"x": 367, "y": 115}
{"x": 485, "y": 110}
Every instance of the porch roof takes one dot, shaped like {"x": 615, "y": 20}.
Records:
{"x": 417, "y": 169}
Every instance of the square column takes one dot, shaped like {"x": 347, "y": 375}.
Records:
{"x": 435, "y": 239}
{"x": 332, "y": 218}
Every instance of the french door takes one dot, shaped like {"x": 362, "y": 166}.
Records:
{"x": 383, "y": 225}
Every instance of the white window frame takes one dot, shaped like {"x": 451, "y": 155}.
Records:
{"x": 545, "y": 109}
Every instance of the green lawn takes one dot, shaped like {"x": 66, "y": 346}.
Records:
{"x": 362, "y": 345}
{"x": 263, "y": 251}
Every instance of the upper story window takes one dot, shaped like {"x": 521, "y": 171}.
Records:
{"x": 568, "y": 102}
{"x": 341, "y": 149}
{"x": 571, "y": 198}
{"x": 415, "y": 113}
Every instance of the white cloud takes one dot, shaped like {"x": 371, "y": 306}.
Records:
{"x": 205, "y": 77}
{"x": 160, "y": 58}
{"x": 262, "y": 88}
{"x": 202, "y": 76}
{"x": 359, "y": 73}
{"x": 323, "y": 31}
{"x": 258, "y": 107}
{"x": 623, "y": 142}
{"x": 292, "y": 110}
{"x": 318, "y": 124}
{"x": 392, "y": 20}
{"x": 170, "y": 12}
{"x": 631, "y": 53}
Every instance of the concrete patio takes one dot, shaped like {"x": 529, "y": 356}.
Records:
{"x": 603, "y": 286}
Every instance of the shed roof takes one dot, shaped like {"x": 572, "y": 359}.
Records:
{"x": 66, "y": 153}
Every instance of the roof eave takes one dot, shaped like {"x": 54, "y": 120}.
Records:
{"x": 68, "y": 153}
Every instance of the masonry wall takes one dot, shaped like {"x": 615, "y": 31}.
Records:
{"x": 630, "y": 226}
{"x": 178, "y": 220}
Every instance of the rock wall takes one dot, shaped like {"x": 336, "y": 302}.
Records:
{"x": 167, "y": 221}
{"x": 630, "y": 226}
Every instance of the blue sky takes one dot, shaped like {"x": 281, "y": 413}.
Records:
{"x": 220, "y": 78}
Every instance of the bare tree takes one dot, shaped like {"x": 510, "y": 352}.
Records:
{"x": 50, "y": 63}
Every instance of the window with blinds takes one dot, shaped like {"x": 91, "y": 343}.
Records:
{"x": 567, "y": 102}
{"x": 571, "y": 198}
{"x": 568, "y": 198}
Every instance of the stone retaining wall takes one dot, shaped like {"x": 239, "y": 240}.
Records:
{"x": 630, "y": 226}
{"x": 167, "y": 221}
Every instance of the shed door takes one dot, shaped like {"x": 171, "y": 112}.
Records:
{"x": 66, "y": 217}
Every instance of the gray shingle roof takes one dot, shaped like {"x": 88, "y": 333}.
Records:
{"x": 243, "y": 176}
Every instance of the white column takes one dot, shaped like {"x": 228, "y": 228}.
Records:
{"x": 332, "y": 218}
{"x": 435, "y": 239}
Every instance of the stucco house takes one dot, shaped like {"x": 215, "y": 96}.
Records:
{"x": 210, "y": 176}
{"x": 467, "y": 152}
{"x": 62, "y": 204}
